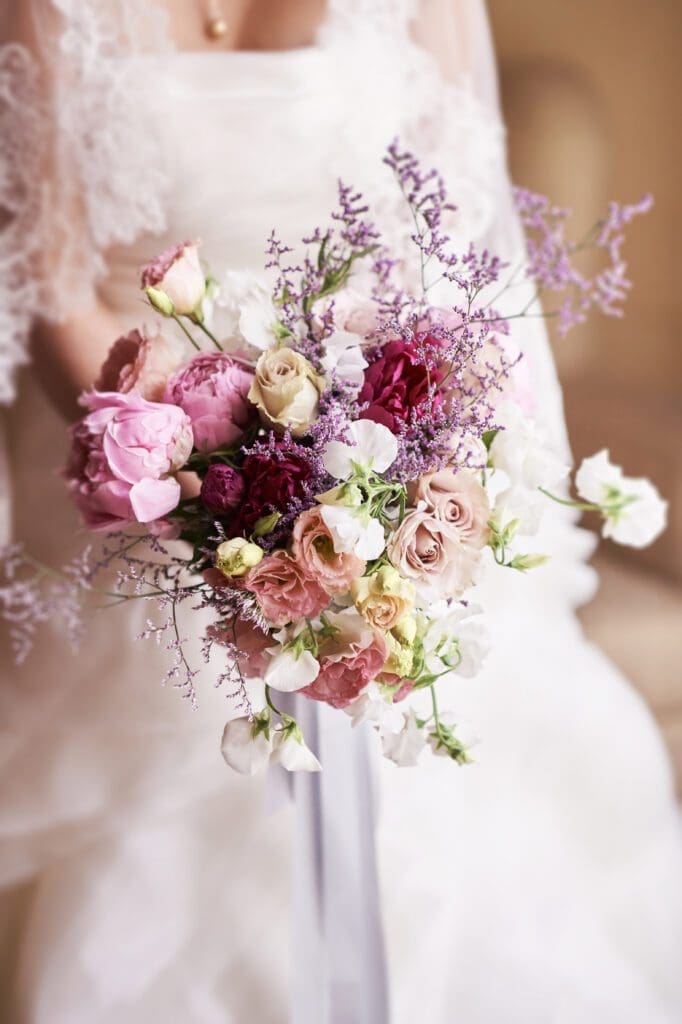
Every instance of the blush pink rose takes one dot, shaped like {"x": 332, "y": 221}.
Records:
{"x": 123, "y": 457}
{"x": 284, "y": 591}
{"x": 431, "y": 552}
{"x": 313, "y": 548}
{"x": 250, "y": 643}
{"x": 178, "y": 273}
{"x": 212, "y": 389}
{"x": 457, "y": 498}
{"x": 348, "y": 662}
{"x": 139, "y": 362}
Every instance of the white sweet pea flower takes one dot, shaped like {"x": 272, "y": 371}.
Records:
{"x": 375, "y": 707}
{"x": 245, "y": 745}
{"x": 292, "y": 666}
{"x": 290, "y": 751}
{"x": 455, "y": 643}
{"x": 524, "y": 453}
{"x": 343, "y": 353}
{"x": 248, "y": 308}
{"x": 289, "y": 671}
{"x": 373, "y": 447}
{"x": 404, "y": 748}
{"x": 354, "y": 530}
{"x": 633, "y": 511}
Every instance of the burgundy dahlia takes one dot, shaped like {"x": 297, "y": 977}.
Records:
{"x": 396, "y": 383}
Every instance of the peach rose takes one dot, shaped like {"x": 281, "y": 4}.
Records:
{"x": 313, "y": 548}
{"x": 284, "y": 591}
{"x": 383, "y": 599}
{"x": 457, "y": 498}
{"x": 430, "y": 551}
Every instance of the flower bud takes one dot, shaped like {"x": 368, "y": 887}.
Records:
{"x": 235, "y": 557}
{"x": 405, "y": 631}
{"x": 160, "y": 301}
{"x": 266, "y": 524}
{"x": 530, "y": 561}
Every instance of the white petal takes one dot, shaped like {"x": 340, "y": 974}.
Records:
{"x": 242, "y": 751}
{"x": 336, "y": 459}
{"x": 377, "y": 447}
{"x": 343, "y": 525}
{"x": 289, "y": 673}
{"x": 293, "y": 755}
{"x": 371, "y": 540}
{"x": 404, "y": 748}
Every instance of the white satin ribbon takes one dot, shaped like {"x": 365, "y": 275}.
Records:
{"x": 339, "y": 970}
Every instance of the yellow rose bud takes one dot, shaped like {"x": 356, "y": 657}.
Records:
{"x": 235, "y": 557}
{"x": 405, "y": 631}
{"x": 384, "y": 598}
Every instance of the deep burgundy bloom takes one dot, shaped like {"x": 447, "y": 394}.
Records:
{"x": 272, "y": 481}
{"x": 396, "y": 383}
{"x": 222, "y": 489}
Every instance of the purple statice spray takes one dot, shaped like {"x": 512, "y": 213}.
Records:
{"x": 551, "y": 256}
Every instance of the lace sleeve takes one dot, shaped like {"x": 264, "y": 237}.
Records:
{"x": 77, "y": 167}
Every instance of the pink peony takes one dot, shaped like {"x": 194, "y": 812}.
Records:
{"x": 431, "y": 552}
{"x": 349, "y": 661}
{"x": 138, "y": 362}
{"x": 284, "y": 591}
{"x": 178, "y": 274}
{"x": 457, "y": 498}
{"x": 123, "y": 455}
{"x": 212, "y": 389}
{"x": 314, "y": 549}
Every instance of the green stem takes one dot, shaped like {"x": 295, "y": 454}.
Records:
{"x": 585, "y": 506}
{"x": 209, "y": 334}
{"x": 182, "y": 327}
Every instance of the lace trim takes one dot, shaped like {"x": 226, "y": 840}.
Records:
{"x": 79, "y": 169}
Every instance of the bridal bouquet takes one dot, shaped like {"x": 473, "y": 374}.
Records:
{"x": 361, "y": 453}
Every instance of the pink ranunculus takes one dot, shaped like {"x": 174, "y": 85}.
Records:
{"x": 284, "y": 591}
{"x": 431, "y": 552}
{"x": 177, "y": 273}
{"x": 140, "y": 362}
{"x": 456, "y": 497}
{"x": 398, "y": 382}
{"x": 350, "y": 660}
{"x": 212, "y": 389}
{"x": 250, "y": 643}
{"x": 123, "y": 455}
{"x": 313, "y": 548}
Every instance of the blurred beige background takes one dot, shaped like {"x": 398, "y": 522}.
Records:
{"x": 591, "y": 92}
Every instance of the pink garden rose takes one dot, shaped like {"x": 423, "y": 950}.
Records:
{"x": 177, "y": 273}
{"x": 212, "y": 390}
{"x": 457, "y": 498}
{"x": 348, "y": 662}
{"x": 314, "y": 549}
{"x": 284, "y": 591}
{"x": 139, "y": 362}
{"x": 123, "y": 455}
{"x": 430, "y": 551}
{"x": 250, "y": 643}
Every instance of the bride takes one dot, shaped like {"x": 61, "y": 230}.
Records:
{"x": 141, "y": 880}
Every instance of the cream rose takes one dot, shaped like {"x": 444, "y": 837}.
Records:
{"x": 384, "y": 598}
{"x": 286, "y": 391}
{"x": 457, "y": 498}
{"x": 430, "y": 551}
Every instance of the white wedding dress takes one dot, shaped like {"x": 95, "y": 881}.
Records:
{"x": 142, "y": 880}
